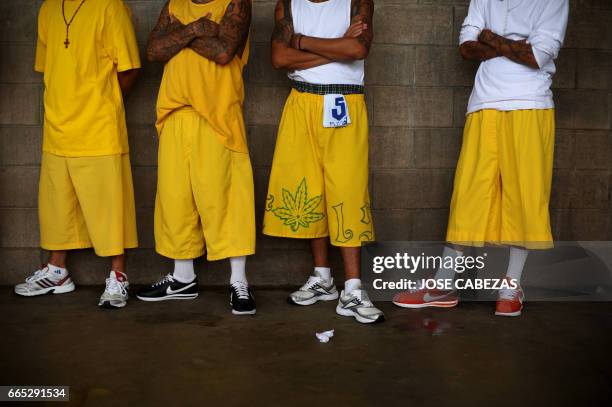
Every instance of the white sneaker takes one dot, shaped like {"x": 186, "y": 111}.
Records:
{"x": 44, "y": 281}
{"x": 115, "y": 294}
{"x": 315, "y": 289}
{"x": 357, "y": 304}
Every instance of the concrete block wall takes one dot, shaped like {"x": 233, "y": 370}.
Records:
{"x": 417, "y": 94}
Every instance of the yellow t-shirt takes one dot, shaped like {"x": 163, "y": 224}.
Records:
{"x": 214, "y": 91}
{"x": 84, "y": 114}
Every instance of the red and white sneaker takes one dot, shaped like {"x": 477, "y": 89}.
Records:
{"x": 510, "y": 301}
{"x": 423, "y": 297}
{"x": 44, "y": 281}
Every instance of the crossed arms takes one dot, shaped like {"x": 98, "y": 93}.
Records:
{"x": 216, "y": 42}
{"x": 491, "y": 45}
{"x": 291, "y": 50}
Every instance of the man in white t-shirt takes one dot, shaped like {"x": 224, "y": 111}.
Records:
{"x": 503, "y": 178}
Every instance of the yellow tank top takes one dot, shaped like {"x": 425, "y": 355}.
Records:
{"x": 214, "y": 91}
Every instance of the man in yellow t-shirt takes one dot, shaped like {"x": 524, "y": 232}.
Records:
{"x": 88, "y": 53}
{"x": 205, "y": 198}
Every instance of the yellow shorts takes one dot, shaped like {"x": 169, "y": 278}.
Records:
{"x": 503, "y": 179}
{"x": 205, "y": 195}
{"x": 319, "y": 181}
{"x": 85, "y": 202}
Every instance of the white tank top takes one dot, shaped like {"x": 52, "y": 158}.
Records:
{"x": 329, "y": 19}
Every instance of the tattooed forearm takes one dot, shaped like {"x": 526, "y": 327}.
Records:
{"x": 232, "y": 35}
{"x": 363, "y": 11}
{"x": 517, "y": 51}
{"x": 168, "y": 38}
{"x": 283, "y": 29}
{"x": 477, "y": 51}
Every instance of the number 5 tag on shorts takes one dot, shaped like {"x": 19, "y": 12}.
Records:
{"x": 335, "y": 111}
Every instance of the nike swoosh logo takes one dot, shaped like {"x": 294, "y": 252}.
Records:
{"x": 170, "y": 291}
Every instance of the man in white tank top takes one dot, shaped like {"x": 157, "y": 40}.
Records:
{"x": 319, "y": 180}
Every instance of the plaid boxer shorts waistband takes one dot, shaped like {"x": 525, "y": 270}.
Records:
{"x": 319, "y": 89}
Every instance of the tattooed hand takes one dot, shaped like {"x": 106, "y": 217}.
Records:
{"x": 204, "y": 27}
{"x": 487, "y": 36}
{"x": 517, "y": 51}
{"x": 356, "y": 28}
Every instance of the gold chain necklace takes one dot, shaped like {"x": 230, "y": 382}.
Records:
{"x": 67, "y": 42}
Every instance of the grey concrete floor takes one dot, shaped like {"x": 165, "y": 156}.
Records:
{"x": 195, "y": 353}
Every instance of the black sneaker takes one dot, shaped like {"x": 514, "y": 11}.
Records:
{"x": 241, "y": 299}
{"x": 169, "y": 289}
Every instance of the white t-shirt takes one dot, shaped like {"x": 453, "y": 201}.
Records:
{"x": 500, "y": 83}
{"x": 329, "y": 19}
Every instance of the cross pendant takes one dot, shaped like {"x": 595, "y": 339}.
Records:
{"x": 67, "y": 42}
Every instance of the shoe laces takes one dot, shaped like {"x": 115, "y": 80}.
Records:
{"x": 38, "y": 274}
{"x": 114, "y": 286}
{"x": 362, "y": 296}
{"x": 241, "y": 289}
{"x": 165, "y": 279}
{"x": 312, "y": 281}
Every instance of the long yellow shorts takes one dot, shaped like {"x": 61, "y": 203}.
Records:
{"x": 319, "y": 180}
{"x": 85, "y": 202}
{"x": 503, "y": 179}
{"x": 205, "y": 195}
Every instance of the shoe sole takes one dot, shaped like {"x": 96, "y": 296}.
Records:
{"x": 508, "y": 314}
{"x": 314, "y": 300}
{"x": 169, "y": 297}
{"x": 244, "y": 312}
{"x": 108, "y": 305}
{"x": 436, "y": 304}
{"x": 348, "y": 313}
{"x": 62, "y": 289}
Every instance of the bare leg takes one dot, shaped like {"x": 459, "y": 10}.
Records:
{"x": 320, "y": 251}
{"x": 118, "y": 263}
{"x": 57, "y": 258}
{"x": 352, "y": 259}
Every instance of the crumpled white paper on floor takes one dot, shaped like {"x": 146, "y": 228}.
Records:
{"x": 325, "y": 336}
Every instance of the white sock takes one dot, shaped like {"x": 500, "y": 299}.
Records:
{"x": 518, "y": 257}
{"x": 323, "y": 272}
{"x": 59, "y": 272}
{"x": 447, "y": 273}
{"x": 351, "y": 284}
{"x": 238, "y": 265}
{"x": 183, "y": 271}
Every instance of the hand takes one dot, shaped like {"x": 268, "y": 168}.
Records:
{"x": 356, "y": 29}
{"x": 204, "y": 27}
{"x": 487, "y": 37}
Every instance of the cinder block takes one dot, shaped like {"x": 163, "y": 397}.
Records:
{"x": 390, "y": 65}
{"x": 391, "y": 147}
{"x": 595, "y": 69}
{"x": 394, "y": 224}
{"x": 564, "y": 149}
{"x": 592, "y": 150}
{"x": 145, "y": 186}
{"x": 590, "y": 190}
{"x": 18, "y": 21}
{"x": 264, "y": 104}
{"x": 392, "y": 106}
{"x": 437, "y": 148}
{"x": 144, "y": 17}
{"x": 412, "y": 189}
{"x": 582, "y": 109}
{"x": 19, "y": 227}
{"x": 20, "y": 104}
{"x": 594, "y": 4}
{"x": 459, "y": 14}
{"x": 140, "y": 104}
{"x": 20, "y": 145}
{"x": 262, "y": 22}
{"x": 262, "y": 140}
{"x": 18, "y": 64}
{"x": 433, "y": 107}
{"x": 461, "y": 96}
{"x": 589, "y": 28}
{"x": 19, "y": 186}
{"x": 144, "y": 143}
{"x": 562, "y": 189}
{"x": 430, "y": 224}
{"x": 409, "y": 24}
{"x": 565, "y": 77}
{"x": 443, "y": 66}
{"x": 19, "y": 263}
{"x": 259, "y": 69}
{"x": 144, "y": 223}
{"x": 589, "y": 224}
